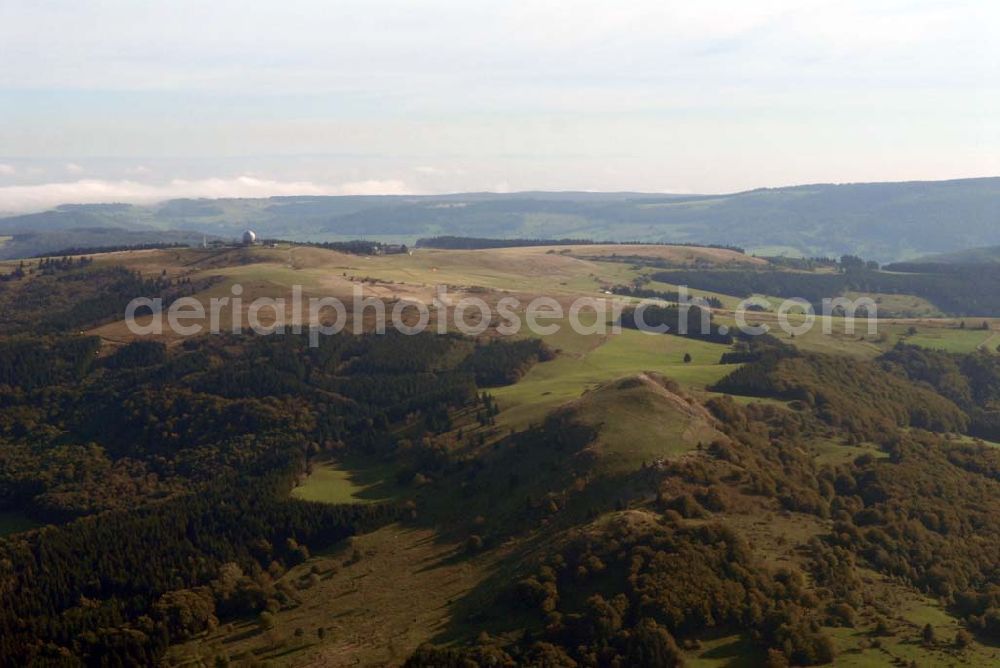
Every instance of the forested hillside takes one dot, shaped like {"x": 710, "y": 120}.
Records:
{"x": 167, "y": 474}
{"x": 881, "y": 221}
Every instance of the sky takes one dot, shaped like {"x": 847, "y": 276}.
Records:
{"x": 117, "y": 100}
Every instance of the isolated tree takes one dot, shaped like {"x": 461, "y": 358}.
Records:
{"x": 650, "y": 645}
{"x": 882, "y": 627}
{"x": 687, "y": 358}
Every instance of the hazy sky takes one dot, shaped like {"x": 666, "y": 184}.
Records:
{"x": 122, "y": 100}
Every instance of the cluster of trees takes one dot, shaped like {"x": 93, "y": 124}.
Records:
{"x": 27, "y": 363}
{"x": 929, "y": 516}
{"x": 668, "y": 296}
{"x": 112, "y": 589}
{"x": 749, "y": 348}
{"x": 19, "y": 272}
{"x": 926, "y": 512}
{"x": 91, "y": 250}
{"x": 855, "y": 397}
{"x": 907, "y": 386}
{"x": 80, "y": 296}
{"x": 476, "y": 243}
{"x": 802, "y": 263}
{"x": 354, "y": 246}
{"x": 853, "y": 263}
{"x": 689, "y": 321}
{"x": 632, "y": 591}
{"x": 504, "y": 363}
{"x": 972, "y": 381}
{"x": 844, "y": 263}
{"x": 62, "y": 262}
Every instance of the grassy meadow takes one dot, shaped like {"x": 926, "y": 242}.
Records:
{"x": 326, "y": 483}
{"x": 552, "y": 383}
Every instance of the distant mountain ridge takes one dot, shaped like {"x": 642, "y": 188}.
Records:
{"x": 881, "y": 221}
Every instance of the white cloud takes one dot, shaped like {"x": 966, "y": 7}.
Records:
{"x": 74, "y": 168}
{"x": 7, "y": 170}
{"x": 97, "y": 191}
{"x": 374, "y": 187}
{"x": 652, "y": 85}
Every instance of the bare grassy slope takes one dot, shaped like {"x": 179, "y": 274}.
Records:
{"x": 641, "y": 419}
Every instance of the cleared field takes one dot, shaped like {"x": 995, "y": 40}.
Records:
{"x": 511, "y": 270}
{"x": 328, "y": 484}
{"x": 834, "y": 453}
{"x": 952, "y": 340}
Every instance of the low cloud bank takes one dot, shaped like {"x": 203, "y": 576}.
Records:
{"x": 24, "y": 198}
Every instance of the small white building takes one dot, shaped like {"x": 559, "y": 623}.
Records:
{"x": 249, "y": 238}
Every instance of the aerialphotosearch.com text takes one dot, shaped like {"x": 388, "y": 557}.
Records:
{"x": 472, "y": 315}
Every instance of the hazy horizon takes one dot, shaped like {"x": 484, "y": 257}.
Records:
{"x": 245, "y": 187}
{"x": 139, "y": 103}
